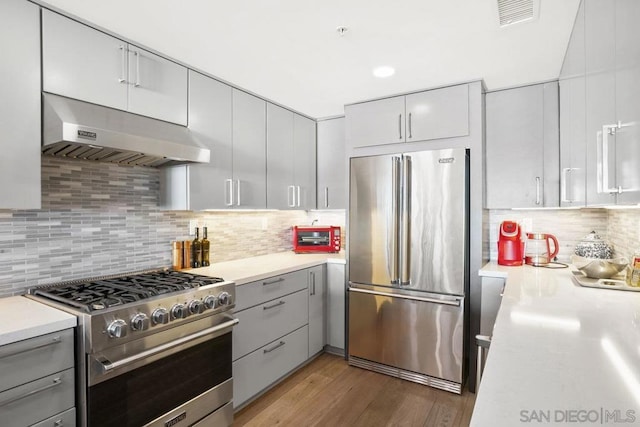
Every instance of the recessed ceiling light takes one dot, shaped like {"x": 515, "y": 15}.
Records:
{"x": 384, "y": 71}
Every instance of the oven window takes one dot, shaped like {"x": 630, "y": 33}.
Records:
{"x": 313, "y": 238}
{"x": 140, "y": 396}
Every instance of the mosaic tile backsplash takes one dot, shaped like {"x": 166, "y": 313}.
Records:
{"x": 100, "y": 218}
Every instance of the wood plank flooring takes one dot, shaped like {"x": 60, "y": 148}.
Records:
{"x": 328, "y": 392}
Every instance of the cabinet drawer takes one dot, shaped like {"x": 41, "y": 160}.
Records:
{"x": 25, "y": 361}
{"x": 268, "y": 321}
{"x": 38, "y": 400}
{"x": 256, "y": 371}
{"x": 272, "y": 287}
{"x": 65, "y": 419}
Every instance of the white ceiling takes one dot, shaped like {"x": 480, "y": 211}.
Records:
{"x": 289, "y": 51}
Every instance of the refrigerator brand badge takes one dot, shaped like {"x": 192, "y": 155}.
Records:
{"x": 175, "y": 420}
{"x": 87, "y": 135}
{"x": 446, "y": 159}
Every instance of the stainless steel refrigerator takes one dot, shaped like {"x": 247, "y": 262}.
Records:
{"x": 408, "y": 265}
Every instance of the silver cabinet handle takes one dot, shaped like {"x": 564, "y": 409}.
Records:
{"x": 238, "y": 194}
{"x": 395, "y": 220}
{"x": 291, "y": 196}
{"x": 228, "y": 192}
{"x": 603, "y": 181}
{"x": 137, "y": 55}
{"x": 269, "y": 350}
{"x": 123, "y": 64}
{"x": 563, "y": 185}
{"x": 454, "y": 302}
{"x": 271, "y": 282}
{"x": 405, "y": 230}
{"x": 298, "y": 196}
{"x": 54, "y": 340}
{"x": 326, "y": 197}
{"x": 400, "y": 125}
{"x": 269, "y": 307}
{"x": 410, "y": 131}
{"x": 107, "y": 365}
{"x": 537, "y": 190}
{"x": 312, "y": 275}
{"x": 58, "y": 423}
{"x": 56, "y": 382}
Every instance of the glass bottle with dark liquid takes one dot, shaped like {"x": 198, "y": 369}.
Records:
{"x": 205, "y": 248}
{"x": 196, "y": 251}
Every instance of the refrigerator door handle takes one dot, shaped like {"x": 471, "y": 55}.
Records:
{"x": 395, "y": 216}
{"x": 455, "y": 301}
{"x": 405, "y": 223}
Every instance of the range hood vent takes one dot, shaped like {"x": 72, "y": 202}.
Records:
{"x": 515, "y": 11}
{"x": 80, "y": 130}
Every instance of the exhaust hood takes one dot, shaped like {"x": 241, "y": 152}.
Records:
{"x": 77, "y": 129}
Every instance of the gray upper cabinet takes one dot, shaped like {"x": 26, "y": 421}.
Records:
{"x": 612, "y": 109}
{"x": 433, "y": 114}
{"x": 249, "y": 153}
{"x": 83, "y": 63}
{"x": 332, "y": 165}
{"x": 291, "y": 160}
{"x": 522, "y": 147}
{"x": 20, "y": 136}
{"x": 573, "y": 145}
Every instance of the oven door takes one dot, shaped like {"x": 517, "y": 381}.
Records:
{"x": 313, "y": 240}
{"x": 173, "y": 378}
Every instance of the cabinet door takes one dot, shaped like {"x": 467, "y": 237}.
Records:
{"x": 439, "y": 113}
{"x": 332, "y": 165}
{"x": 280, "y": 158}
{"x": 304, "y": 161}
{"x": 249, "y": 151}
{"x": 210, "y": 121}
{"x": 157, "y": 87}
{"x": 335, "y": 305}
{"x": 317, "y": 296}
{"x": 376, "y": 122}
{"x": 627, "y": 139}
{"x": 82, "y": 63}
{"x": 20, "y": 109}
{"x": 492, "y": 288}
{"x": 514, "y": 147}
{"x": 600, "y": 97}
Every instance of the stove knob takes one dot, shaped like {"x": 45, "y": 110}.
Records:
{"x": 140, "y": 322}
{"x": 160, "y": 315}
{"x": 210, "y": 302}
{"x": 224, "y": 298}
{"x": 179, "y": 311}
{"x": 117, "y": 329}
{"x": 196, "y": 307}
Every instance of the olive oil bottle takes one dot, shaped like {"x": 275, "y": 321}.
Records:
{"x": 205, "y": 248}
{"x": 196, "y": 251}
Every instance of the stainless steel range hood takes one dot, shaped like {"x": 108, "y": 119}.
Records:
{"x": 81, "y": 130}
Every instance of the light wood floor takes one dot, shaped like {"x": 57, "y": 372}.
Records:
{"x": 328, "y": 392}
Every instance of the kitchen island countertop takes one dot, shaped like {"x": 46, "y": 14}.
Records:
{"x": 561, "y": 354}
{"x": 247, "y": 270}
{"x": 22, "y": 318}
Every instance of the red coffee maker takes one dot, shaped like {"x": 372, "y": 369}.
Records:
{"x": 510, "y": 244}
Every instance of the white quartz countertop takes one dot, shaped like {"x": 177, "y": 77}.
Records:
{"x": 22, "y": 318}
{"x": 560, "y": 354}
{"x": 251, "y": 269}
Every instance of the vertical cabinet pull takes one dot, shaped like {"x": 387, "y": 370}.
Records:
{"x": 312, "y": 275}
{"x": 400, "y": 125}
{"x": 564, "y": 177}
{"x": 298, "y": 196}
{"x": 228, "y": 192}
{"x": 538, "y": 190}
{"x": 123, "y": 65}
{"x": 410, "y": 130}
{"x": 238, "y": 194}
{"x": 291, "y": 196}
{"x": 326, "y": 197}
{"x": 137, "y": 55}
{"x": 603, "y": 178}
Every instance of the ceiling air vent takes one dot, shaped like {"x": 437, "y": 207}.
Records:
{"x": 515, "y": 11}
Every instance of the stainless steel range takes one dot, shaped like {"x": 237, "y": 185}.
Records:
{"x": 153, "y": 348}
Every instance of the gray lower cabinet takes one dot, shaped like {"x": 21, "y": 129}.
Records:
{"x": 291, "y": 160}
{"x": 492, "y": 289}
{"x": 20, "y": 133}
{"x": 317, "y": 308}
{"x": 335, "y": 307}
{"x": 332, "y": 165}
{"x": 281, "y": 325}
{"x": 37, "y": 380}
{"x": 83, "y": 63}
{"x": 522, "y": 147}
{"x": 428, "y": 115}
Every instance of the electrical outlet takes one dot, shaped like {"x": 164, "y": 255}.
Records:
{"x": 192, "y": 227}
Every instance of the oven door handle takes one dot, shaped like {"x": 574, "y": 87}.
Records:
{"x": 107, "y": 365}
